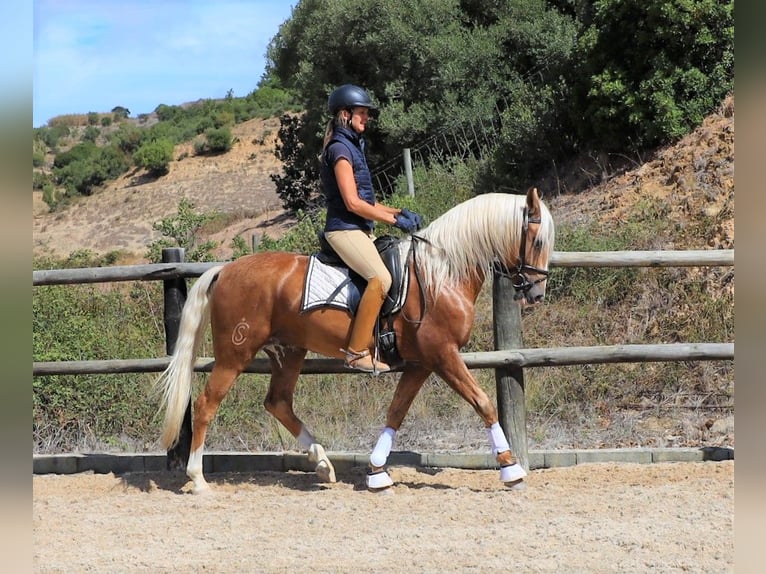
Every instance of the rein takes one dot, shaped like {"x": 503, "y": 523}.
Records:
{"x": 411, "y": 254}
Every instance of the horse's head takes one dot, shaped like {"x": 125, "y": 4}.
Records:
{"x": 529, "y": 275}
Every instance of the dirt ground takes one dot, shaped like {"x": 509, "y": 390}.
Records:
{"x": 666, "y": 517}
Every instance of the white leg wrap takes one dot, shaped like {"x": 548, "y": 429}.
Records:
{"x": 305, "y": 439}
{"x": 194, "y": 471}
{"x": 379, "y": 480}
{"x": 512, "y": 473}
{"x": 382, "y": 449}
{"x": 497, "y": 439}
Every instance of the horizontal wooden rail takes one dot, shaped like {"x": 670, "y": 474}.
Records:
{"x": 164, "y": 271}
{"x": 551, "y": 357}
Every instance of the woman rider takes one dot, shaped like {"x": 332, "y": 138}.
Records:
{"x": 352, "y": 212}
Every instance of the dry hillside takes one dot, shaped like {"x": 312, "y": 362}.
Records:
{"x": 120, "y": 216}
{"x": 687, "y": 181}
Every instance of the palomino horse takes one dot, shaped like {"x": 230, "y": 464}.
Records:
{"x": 254, "y": 304}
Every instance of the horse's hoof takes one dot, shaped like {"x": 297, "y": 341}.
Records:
{"x": 512, "y": 473}
{"x": 378, "y": 480}
{"x": 201, "y": 490}
{"x": 324, "y": 468}
{"x": 516, "y": 484}
{"x": 325, "y": 472}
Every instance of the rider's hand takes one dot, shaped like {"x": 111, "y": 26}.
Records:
{"x": 414, "y": 217}
{"x": 405, "y": 223}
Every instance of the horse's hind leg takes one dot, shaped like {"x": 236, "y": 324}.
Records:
{"x": 205, "y": 407}
{"x": 286, "y": 365}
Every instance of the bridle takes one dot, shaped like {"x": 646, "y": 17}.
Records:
{"x": 517, "y": 275}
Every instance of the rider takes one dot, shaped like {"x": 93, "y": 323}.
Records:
{"x": 351, "y": 213}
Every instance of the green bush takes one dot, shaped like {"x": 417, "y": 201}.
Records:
{"x": 89, "y": 323}
{"x": 50, "y": 195}
{"x": 38, "y": 158}
{"x": 87, "y": 166}
{"x": 218, "y": 139}
{"x": 90, "y": 134}
{"x": 40, "y": 179}
{"x": 52, "y": 135}
{"x": 155, "y": 156}
{"x": 653, "y": 69}
{"x": 128, "y": 137}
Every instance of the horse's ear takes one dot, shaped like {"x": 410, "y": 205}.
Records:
{"x": 533, "y": 200}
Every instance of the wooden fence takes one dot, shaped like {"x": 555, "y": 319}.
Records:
{"x": 508, "y": 360}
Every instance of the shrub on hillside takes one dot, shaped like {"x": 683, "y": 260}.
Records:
{"x": 86, "y": 166}
{"x": 155, "y": 156}
{"x": 218, "y": 140}
{"x": 183, "y": 230}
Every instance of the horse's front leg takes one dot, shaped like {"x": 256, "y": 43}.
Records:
{"x": 409, "y": 385}
{"x": 454, "y": 371}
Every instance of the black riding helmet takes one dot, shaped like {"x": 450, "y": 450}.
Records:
{"x": 349, "y": 96}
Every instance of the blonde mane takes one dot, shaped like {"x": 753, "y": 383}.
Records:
{"x": 463, "y": 243}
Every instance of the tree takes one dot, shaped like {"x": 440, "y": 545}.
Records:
{"x": 433, "y": 66}
{"x": 120, "y": 113}
{"x": 652, "y": 69}
{"x": 298, "y": 185}
{"x": 182, "y": 230}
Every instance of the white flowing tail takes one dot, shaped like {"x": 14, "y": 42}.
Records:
{"x": 175, "y": 383}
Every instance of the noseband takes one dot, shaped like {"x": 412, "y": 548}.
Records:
{"x": 518, "y": 275}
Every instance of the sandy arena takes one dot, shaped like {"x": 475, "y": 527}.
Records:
{"x": 608, "y": 517}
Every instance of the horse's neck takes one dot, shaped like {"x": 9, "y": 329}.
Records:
{"x": 470, "y": 289}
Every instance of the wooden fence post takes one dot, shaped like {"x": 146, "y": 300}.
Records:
{"x": 408, "y": 172}
{"x": 175, "y": 297}
{"x": 509, "y": 380}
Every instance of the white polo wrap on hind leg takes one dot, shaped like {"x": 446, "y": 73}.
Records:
{"x": 305, "y": 439}
{"x": 497, "y": 439}
{"x": 382, "y": 449}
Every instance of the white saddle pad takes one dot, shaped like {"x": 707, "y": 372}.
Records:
{"x": 328, "y": 286}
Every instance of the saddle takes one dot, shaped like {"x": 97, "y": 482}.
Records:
{"x": 343, "y": 288}
{"x": 388, "y": 248}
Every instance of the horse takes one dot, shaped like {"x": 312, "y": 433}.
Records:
{"x": 253, "y": 304}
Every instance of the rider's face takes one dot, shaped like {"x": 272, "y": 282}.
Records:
{"x": 359, "y": 118}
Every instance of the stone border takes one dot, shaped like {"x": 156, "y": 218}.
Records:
{"x": 104, "y": 463}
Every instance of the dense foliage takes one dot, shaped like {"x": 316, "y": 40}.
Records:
{"x": 539, "y": 80}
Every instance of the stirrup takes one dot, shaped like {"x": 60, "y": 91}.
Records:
{"x": 353, "y": 358}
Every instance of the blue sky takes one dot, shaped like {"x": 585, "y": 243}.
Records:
{"x": 94, "y": 55}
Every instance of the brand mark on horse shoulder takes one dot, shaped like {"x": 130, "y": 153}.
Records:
{"x": 239, "y": 334}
